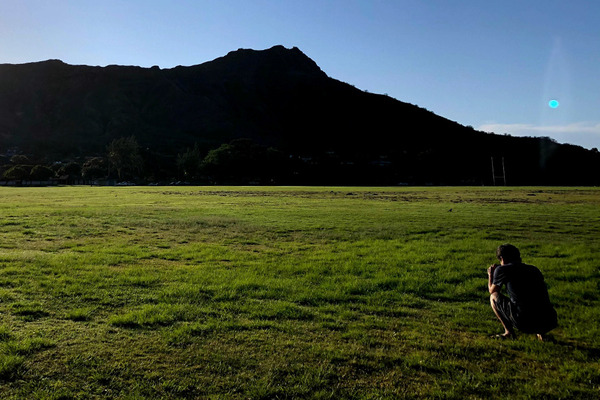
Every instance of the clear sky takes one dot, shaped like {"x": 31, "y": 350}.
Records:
{"x": 494, "y": 65}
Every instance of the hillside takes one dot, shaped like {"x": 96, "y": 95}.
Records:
{"x": 278, "y": 97}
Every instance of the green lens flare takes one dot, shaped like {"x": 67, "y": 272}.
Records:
{"x": 553, "y": 103}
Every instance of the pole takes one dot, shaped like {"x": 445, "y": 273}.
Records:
{"x": 503, "y": 171}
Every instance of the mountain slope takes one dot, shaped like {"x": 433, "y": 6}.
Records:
{"x": 277, "y": 97}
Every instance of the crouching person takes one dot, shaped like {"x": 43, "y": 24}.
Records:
{"x": 527, "y": 307}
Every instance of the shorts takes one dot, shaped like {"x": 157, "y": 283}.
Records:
{"x": 538, "y": 320}
{"x": 509, "y": 312}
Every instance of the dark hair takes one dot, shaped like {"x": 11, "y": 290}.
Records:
{"x": 508, "y": 253}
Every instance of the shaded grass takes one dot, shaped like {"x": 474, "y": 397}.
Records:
{"x": 14, "y": 352}
{"x": 289, "y": 292}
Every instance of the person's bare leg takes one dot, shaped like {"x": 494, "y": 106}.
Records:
{"x": 508, "y": 331}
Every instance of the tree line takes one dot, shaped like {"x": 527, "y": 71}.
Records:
{"x": 240, "y": 161}
{"x": 122, "y": 159}
{"x": 245, "y": 162}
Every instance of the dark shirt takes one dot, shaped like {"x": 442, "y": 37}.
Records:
{"x": 527, "y": 290}
{"x": 524, "y": 283}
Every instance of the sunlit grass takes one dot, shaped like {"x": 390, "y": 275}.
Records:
{"x": 139, "y": 292}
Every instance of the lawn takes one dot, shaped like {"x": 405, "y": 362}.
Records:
{"x": 274, "y": 293}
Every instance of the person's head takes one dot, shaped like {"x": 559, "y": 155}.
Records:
{"x": 508, "y": 254}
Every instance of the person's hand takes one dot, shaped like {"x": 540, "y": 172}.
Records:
{"x": 491, "y": 269}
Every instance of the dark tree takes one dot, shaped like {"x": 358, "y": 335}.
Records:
{"x": 243, "y": 161}
{"x": 189, "y": 162}
{"x": 71, "y": 170}
{"x": 17, "y": 173}
{"x": 124, "y": 156}
{"x": 19, "y": 159}
{"x": 41, "y": 173}
{"x": 94, "y": 168}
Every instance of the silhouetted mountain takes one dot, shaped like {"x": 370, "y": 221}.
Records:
{"x": 277, "y": 97}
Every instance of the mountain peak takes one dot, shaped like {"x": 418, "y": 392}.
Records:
{"x": 276, "y": 58}
{"x": 277, "y": 97}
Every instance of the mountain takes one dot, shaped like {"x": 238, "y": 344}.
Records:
{"x": 277, "y": 97}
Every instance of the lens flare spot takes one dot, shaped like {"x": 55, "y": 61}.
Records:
{"x": 553, "y": 103}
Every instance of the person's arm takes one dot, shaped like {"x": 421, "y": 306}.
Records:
{"x": 491, "y": 287}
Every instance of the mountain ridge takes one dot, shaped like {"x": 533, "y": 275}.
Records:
{"x": 277, "y": 97}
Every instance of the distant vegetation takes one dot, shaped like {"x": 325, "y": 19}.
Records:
{"x": 243, "y": 161}
{"x": 267, "y": 116}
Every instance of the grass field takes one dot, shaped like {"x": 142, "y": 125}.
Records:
{"x": 274, "y": 293}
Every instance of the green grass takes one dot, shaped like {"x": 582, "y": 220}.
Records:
{"x": 265, "y": 293}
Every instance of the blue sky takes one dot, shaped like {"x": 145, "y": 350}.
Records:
{"x": 492, "y": 65}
